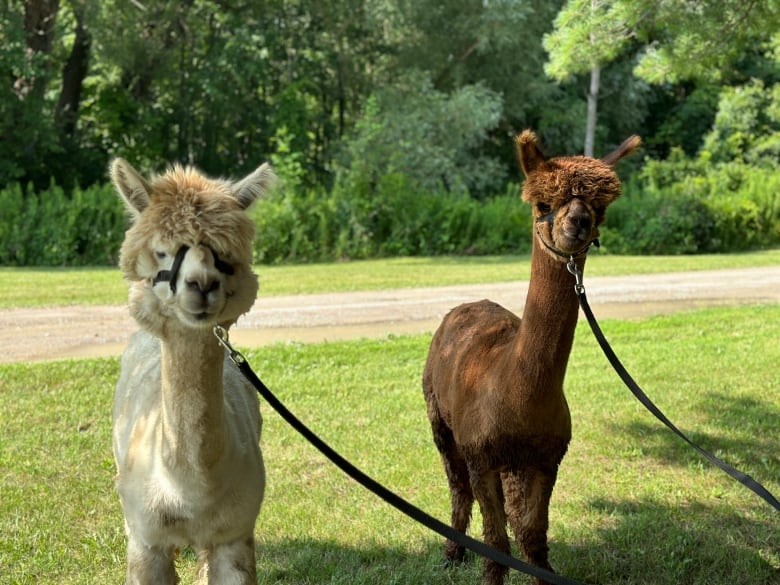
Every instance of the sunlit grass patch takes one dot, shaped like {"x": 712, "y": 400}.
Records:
{"x": 633, "y": 504}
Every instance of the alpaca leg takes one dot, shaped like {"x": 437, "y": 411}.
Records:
{"x": 527, "y": 505}
{"x": 149, "y": 565}
{"x": 487, "y": 488}
{"x": 462, "y": 498}
{"x": 461, "y": 495}
{"x": 228, "y": 564}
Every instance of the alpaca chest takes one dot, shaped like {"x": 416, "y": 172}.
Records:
{"x": 484, "y": 415}
{"x": 183, "y": 508}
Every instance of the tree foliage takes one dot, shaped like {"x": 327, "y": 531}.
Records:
{"x": 345, "y": 93}
{"x": 673, "y": 41}
{"x": 412, "y": 129}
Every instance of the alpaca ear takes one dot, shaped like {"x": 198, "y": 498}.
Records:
{"x": 528, "y": 153}
{"x": 254, "y": 186}
{"x": 629, "y": 145}
{"x": 134, "y": 190}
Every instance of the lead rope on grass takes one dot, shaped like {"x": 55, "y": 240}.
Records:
{"x": 378, "y": 489}
{"x": 742, "y": 478}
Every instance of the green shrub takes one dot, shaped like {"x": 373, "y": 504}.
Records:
{"x": 393, "y": 219}
{"x": 52, "y": 228}
{"x": 691, "y": 207}
{"x": 647, "y": 220}
{"x": 680, "y": 206}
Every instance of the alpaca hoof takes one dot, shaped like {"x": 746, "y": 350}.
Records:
{"x": 453, "y": 554}
{"x": 451, "y": 563}
{"x": 546, "y": 566}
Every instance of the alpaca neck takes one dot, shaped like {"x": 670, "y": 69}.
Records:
{"x": 549, "y": 318}
{"x": 193, "y": 426}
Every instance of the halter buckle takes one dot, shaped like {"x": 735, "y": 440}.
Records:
{"x": 571, "y": 266}
{"x": 223, "y": 337}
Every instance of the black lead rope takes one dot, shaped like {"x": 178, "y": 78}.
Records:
{"x": 742, "y": 478}
{"x": 378, "y": 489}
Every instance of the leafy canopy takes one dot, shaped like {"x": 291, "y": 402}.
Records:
{"x": 674, "y": 41}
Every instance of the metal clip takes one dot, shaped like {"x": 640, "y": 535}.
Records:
{"x": 571, "y": 266}
{"x": 224, "y": 339}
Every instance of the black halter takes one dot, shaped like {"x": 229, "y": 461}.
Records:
{"x": 170, "y": 275}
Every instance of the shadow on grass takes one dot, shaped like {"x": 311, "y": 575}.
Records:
{"x": 748, "y": 441}
{"x": 651, "y": 543}
{"x": 642, "y": 543}
{"x": 308, "y": 562}
{"x": 304, "y": 562}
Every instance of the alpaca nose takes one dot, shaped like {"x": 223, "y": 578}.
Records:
{"x": 203, "y": 287}
{"x": 582, "y": 221}
{"x": 578, "y": 221}
{"x": 577, "y": 226}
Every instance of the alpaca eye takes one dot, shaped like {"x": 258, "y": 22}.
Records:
{"x": 160, "y": 255}
{"x": 543, "y": 208}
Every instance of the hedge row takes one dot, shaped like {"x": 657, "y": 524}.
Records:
{"x": 395, "y": 220}
{"x": 732, "y": 208}
{"x": 52, "y": 228}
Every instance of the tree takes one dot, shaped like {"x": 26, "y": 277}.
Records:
{"x": 701, "y": 40}
{"x": 27, "y": 32}
{"x": 74, "y": 72}
{"x": 495, "y": 43}
{"x": 587, "y": 35}
{"x": 747, "y": 126}
{"x": 414, "y": 130}
{"x": 672, "y": 41}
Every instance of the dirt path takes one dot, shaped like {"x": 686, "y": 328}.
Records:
{"x": 96, "y": 331}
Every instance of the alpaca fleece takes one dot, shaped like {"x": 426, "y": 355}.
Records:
{"x": 493, "y": 383}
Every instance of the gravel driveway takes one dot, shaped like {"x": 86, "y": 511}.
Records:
{"x": 95, "y": 331}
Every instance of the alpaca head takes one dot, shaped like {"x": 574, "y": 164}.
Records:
{"x": 188, "y": 252}
{"x": 569, "y": 195}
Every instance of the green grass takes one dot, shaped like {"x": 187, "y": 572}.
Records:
{"x": 633, "y": 504}
{"x": 35, "y": 287}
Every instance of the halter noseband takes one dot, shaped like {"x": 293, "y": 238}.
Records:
{"x": 170, "y": 275}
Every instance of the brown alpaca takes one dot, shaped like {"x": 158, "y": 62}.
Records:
{"x": 494, "y": 388}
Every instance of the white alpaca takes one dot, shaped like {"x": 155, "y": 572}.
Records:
{"x": 186, "y": 424}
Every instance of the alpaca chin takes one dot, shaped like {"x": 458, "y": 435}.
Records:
{"x": 227, "y": 309}
{"x": 570, "y": 246}
{"x": 197, "y": 310}
{"x": 199, "y": 320}
{"x": 560, "y": 245}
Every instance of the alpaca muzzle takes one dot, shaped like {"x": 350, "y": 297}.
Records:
{"x": 172, "y": 274}
{"x": 549, "y": 218}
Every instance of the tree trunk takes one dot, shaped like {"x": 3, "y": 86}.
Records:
{"x": 40, "y": 17}
{"x": 73, "y": 75}
{"x": 593, "y": 99}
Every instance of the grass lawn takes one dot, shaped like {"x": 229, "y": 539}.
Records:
{"x": 633, "y": 504}
{"x": 35, "y": 287}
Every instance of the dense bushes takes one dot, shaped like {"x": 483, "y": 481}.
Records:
{"x": 674, "y": 207}
{"x": 52, "y": 228}
{"x": 684, "y": 207}
{"x": 396, "y": 220}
